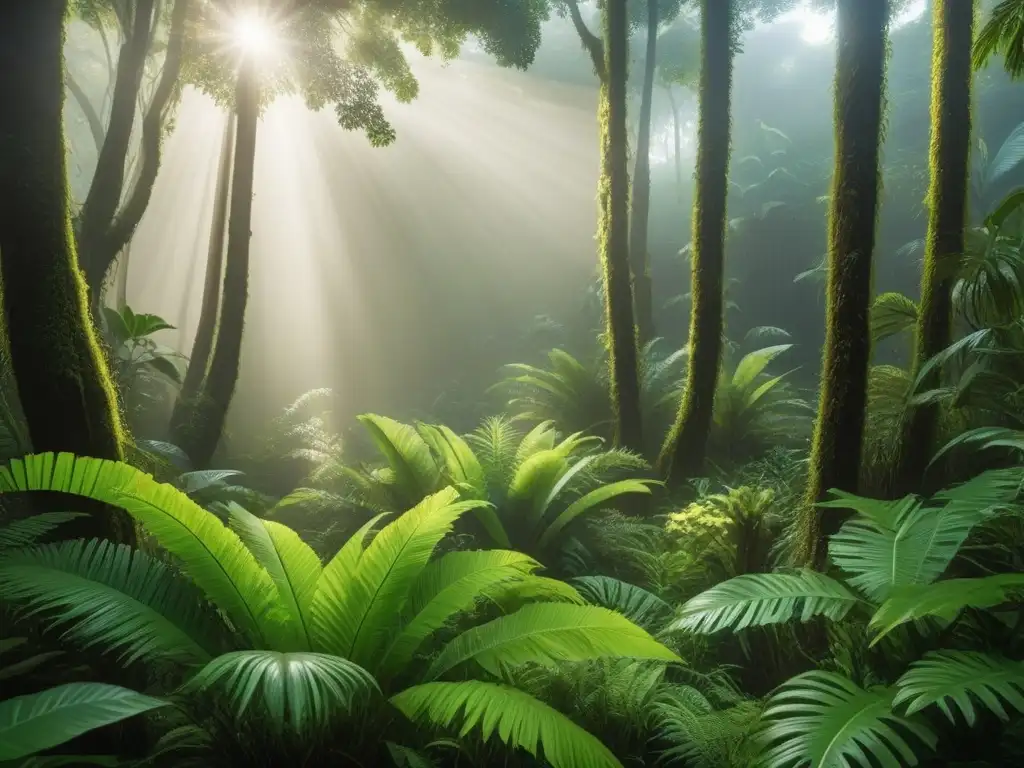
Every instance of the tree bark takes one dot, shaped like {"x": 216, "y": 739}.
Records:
{"x": 206, "y": 331}
{"x": 199, "y": 440}
{"x": 614, "y": 231}
{"x": 107, "y": 185}
{"x": 683, "y": 453}
{"x": 953, "y": 24}
{"x": 839, "y": 431}
{"x": 64, "y": 387}
{"x": 643, "y": 301}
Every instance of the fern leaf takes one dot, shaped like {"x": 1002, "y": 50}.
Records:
{"x": 643, "y": 608}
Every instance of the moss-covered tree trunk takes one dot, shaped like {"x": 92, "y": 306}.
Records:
{"x": 614, "y": 231}
{"x": 684, "y": 451}
{"x": 206, "y": 331}
{"x": 842, "y": 399}
{"x": 107, "y": 185}
{"x": 643, "y": 301}
{"x": 64, "y": 387}
{"x": 949, "y": 165}
{"x": 205, "y": 423}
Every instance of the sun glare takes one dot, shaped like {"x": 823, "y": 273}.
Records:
{"x": 253, "y": 34}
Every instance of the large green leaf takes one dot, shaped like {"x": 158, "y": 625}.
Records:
{"x": 449, "y": 586}
{"x": 39, "y": 721}
{"x": 517, "y": 718}
{"x": 944, "y": 599}
{"x": 753, "y": 364}
{"x": 589, "y": 501}
{"x": 407, "y": 454}
{"x": 961, "y": 678}
{"x": 757, "y": 599}
{"x": 352, "y": 619}
{"x": 297, "y": 690}
{"x": 892, "y": 313}
{"x": 546, "y": 633}
{"x": 292, "y": 564}
{"x": 643, "y": 608}
{"x": 211, "y": 554}
{"x": 905, "y": 542}
{"x": 112, "y": 597}
{"x": 822, "y": 720}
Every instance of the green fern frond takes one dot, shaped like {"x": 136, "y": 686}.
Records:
{"x": 517, "y": 718}
{"x": 112, "y": 597}
{"x": 960, "y": 678}
{"x": 758, "y": 599}
{"x": 822, "y": 720}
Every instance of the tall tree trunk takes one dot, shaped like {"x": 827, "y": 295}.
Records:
{"x": 953, "y": 25}
{"x": 614, "y": 234}
{"x": 839, "y": 431}
{"x": 107, "y": 237}
{"x": 206, "y": 331}
{"x": 643, "y": 300}
{"x": 206, "y": 425}
{"x": 64, "y": 387}
{"x": 107, "y": 184}
{"x": 677, "y": 141}
{"x": 684, "y": 451}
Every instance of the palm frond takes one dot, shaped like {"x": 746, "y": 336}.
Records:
{"x": 545, "y": 633}
{"x": 961, "y": 678}
{"x": 822, "y": 720}
{"x": 39, "y": 721}
{"x": 212, "y": 555}
{"x": 758, "y": 599}
{"x": 517, "y": 718}
{"x": 643, "y": 608}
{"x": 300, "y": 691}
{"x": 29, "y": 530}
{"x": 112, "y": 597}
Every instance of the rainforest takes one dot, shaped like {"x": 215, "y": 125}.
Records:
{"x": 512, "y": 383}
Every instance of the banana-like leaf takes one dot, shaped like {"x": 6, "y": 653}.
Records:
{"x": 449, "y": 586}
{"x": 299, "y": 691}
{"x": 757, "y": 599}
{"x": 211, "y": 554}
{"x": 39, "y": 721}
{"x": 292, "y": 564}
{"x": 753, "y": 364}
{"x": 113, "y": 597}
{"x": 518, "y": 719}
{"x": 961, "y": 678}
{"x": 944, "y": 600}
{"x": 546, "y": 633}
{"x": 822, "y": 720}
{"x": 193, "y": 482}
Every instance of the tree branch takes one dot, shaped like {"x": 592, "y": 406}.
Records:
{"x": 591, "y": 43}
{"x": 125, "y": 223}
{"x": 91, "y": 115}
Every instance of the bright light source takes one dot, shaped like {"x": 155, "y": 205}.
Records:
{"x": 253, "y": 34}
